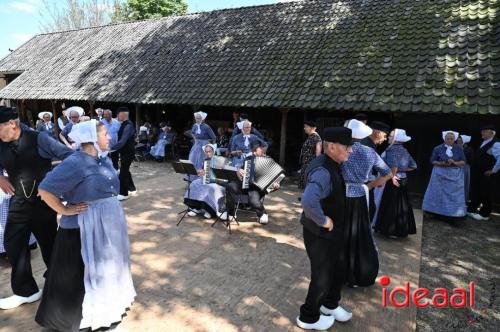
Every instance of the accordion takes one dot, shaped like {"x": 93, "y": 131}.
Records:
{"x": 214, "y": 162}
{"x": 262, "y": 172}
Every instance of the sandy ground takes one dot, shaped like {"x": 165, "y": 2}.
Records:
{"x": 198, "y": 278}
{"x": 453, "y": 255}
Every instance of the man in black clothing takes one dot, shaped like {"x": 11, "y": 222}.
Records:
{"x": 126, "y": 149}
{"x": 323, "y": 220}
{"x": 26, "y": 155}
{"x": 484, "y": 169}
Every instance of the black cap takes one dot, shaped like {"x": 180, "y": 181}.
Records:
{"x": 310, "y": 123}
{"x": 122, "y": 109}
{"x": 341, "y": 135}
{"x": 7, "y": 113}
{"x": 361, "y": 116}
{"x": 382, "y": 126}
{"x": 257, "y": 144}
{"x": 488, "y": 127}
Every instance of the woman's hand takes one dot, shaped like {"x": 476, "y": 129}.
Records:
{"x": 74, "y": 209}
{"x": 201, "y": 172}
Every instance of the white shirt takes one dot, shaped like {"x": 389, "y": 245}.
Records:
{"x": 495, "y": 152}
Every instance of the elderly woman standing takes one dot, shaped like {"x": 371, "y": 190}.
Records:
{"x": 445, "y": 194}
{"x": 46, "y": 124}
{"x": 310, "y": 150}
{"x": 395, "y": 213}
{"x": 89, "y": 283}
{"x": 202, "y": 134}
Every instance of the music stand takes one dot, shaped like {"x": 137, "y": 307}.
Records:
{"x": 187, "y": 169}
{"x": 229, "y": 175}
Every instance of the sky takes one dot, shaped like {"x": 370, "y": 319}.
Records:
{"x": 20, "y": 19}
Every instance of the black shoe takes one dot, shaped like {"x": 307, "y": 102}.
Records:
{"x": 33, "y": 246}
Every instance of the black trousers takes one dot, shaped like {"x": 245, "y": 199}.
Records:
{"x": 115, "y": 156}
{"x": 327, "y": 275}
{"x": 481, "y": 193}
{"x": 26, "y": 217}
{"x": 126, "y": 182}
{"x": 255, "y": 198}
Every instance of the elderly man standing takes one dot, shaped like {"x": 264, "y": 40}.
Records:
{"x": 125, "y": 146}
{"x": 26, "y": 156}
{"x": 113, "y": 126}
{"x": 323, "y": 218}
{"x": 484, "y": 169}
{"x": 74, "y": 114}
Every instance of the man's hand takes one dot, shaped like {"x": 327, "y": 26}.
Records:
{"x": 241, "y": 173}
{"x": 276, "y": 185}
{"x": 201, "y": 172}
{"x": 329, "y": 224}
{"x": 395, "y": 181}
{"x": 6, "y": 186}
{"x": 489, "y": 173}
{"x": 74, "y": 209}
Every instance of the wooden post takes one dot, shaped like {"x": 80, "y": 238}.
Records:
{"x": 284, "y": 118}
{"x": 137, "y": 116}
{"x": 54, "y": 117}
{"x": 91, "y": 109}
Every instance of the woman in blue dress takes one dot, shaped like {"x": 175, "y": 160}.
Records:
{"x": 207, "y": 198}
{"x": 46, "y": 124}
{"x": 445, "y": 194}
{"x": 202, "y": 134}
{"x": 89, "y": 283}
{"x": 395, "y": 214}
{"x": 166, "y": 137}
{"x": 360, "y": 251}
{"x": 241, "y": 144}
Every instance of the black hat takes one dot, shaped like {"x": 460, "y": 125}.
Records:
{"x": 310, "y": 123}
{"x": 341, "y": 135}
{"x": 382, "y": 126}
{"x": 243, "y": 116}
{"x": 7, "y": 113}
{"x": 122, "y": 109}
{"x": 361, "y": 116}
{"x": 488, "y": 127}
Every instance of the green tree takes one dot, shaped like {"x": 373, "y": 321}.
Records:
{"x": 132, "y": 10}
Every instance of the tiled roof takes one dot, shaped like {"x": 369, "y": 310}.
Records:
{"x": 378, "y": 55}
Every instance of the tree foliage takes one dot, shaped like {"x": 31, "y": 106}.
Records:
{"x": 132, "y": 10}
{"x": 76, "y": 14}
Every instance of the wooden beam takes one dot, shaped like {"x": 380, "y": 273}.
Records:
{"x": 54, "y": 117}
{"x": 91, "y": 109}
{"x": 284, "y": 119}
{"x": 137, "y": 116}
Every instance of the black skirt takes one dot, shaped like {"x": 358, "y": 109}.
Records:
{"x": 361, "y": 256}
{"x": 395, "y": 214}
{"x": 61, "y": 305}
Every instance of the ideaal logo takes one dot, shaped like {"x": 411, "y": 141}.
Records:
{"x": 441, "y": 298}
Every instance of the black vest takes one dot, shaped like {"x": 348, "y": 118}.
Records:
{"x": 23, "y": 163}
{"x": 482, "y": 161}
{"x": 334, "y": 205}
{"x": 129, "y": 147}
